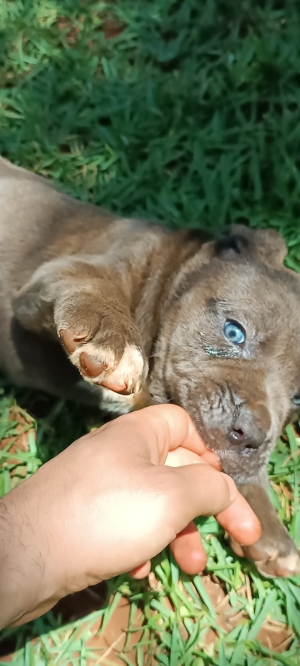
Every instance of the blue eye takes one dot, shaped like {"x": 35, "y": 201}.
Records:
{"x": 234, "y": 332}
{"x": 296, "y": 400}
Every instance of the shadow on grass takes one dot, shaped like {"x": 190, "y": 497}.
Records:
{"x": 74, "y": 607}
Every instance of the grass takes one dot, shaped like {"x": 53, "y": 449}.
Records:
{"x": 187, "y": 112}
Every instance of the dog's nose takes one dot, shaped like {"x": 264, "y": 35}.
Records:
{"x": 247, "y": 429}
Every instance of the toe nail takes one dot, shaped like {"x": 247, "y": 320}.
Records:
{"x": 90, "y": 367}
{"x": 121, "y": 389}
{"x": 80, "y": 336}
{"x": 70, "y": 340}
{"x": 128, "y": 390}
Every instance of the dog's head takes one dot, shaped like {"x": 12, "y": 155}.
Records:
{"x": 229, "y": 349}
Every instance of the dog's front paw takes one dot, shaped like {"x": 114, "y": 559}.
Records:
{"x": 273, "y": 559}
{"x": 119, "y": 367}
{"x": 92, "y": 319}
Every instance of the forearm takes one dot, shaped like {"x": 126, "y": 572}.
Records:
{"x": 24, "y": 554}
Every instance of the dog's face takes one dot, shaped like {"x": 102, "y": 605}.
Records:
{"x": 231, "y": 347}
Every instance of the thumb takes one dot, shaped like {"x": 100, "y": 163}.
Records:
{"x": 199, "y": 490}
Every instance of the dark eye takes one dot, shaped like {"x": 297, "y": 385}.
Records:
{"x": 234, "y": 332}
{"x": 296, "y": 400}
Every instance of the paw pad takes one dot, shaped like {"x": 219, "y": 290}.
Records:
{"x": 100, "y": 365}
{"x": 90, "y": 367}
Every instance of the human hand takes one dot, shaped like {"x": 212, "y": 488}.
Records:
{"x": 107, "y": 505}
{"x": 237, "y": 520}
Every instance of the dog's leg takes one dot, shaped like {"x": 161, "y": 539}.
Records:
{"x": 88, "y": 305}
{"x": 275, "y": 554}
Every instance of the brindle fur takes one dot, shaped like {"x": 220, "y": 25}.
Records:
{"x": 150, "y": 305}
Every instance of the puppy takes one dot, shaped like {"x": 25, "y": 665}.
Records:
{"x": 123, "y": 314}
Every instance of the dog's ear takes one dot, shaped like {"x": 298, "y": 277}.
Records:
{"x": 263, "y": 244}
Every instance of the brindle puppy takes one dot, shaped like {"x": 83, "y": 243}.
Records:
{"x": 146, "y": 315}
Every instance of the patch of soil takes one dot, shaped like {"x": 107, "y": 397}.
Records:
{"x": 114, "y": 639}
{"x": 25, "y": 424}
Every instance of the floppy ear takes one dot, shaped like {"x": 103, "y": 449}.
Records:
{"x": 263, "y": 244}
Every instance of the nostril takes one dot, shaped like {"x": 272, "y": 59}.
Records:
{"x": 253, "y": 444}
{"x": 238, "y": 432}
{"x": 237, "y": 435}
{"x": 247, "y": 431}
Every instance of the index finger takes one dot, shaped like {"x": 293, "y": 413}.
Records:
{"x": 238, "y": 519}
